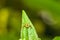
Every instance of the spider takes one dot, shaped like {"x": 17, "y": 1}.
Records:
{"x": 27, "y": 25}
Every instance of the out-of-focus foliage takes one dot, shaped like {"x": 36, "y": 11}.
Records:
{"x": 57, "y": 38}
{"x": 39, "y": 26}
{"x": 10, "y": 22}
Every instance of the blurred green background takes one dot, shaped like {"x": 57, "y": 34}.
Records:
{"x": 44, "y": 14}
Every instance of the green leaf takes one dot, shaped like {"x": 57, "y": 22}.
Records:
{"x": 28, "y": 31}
{"x": 57, "y": 38}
